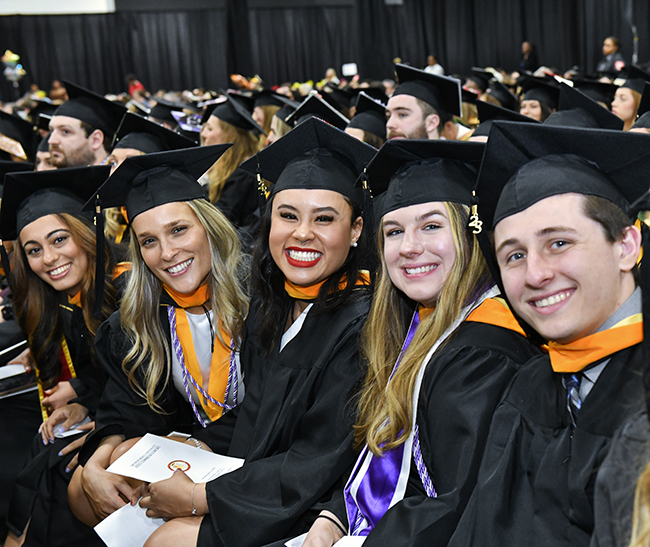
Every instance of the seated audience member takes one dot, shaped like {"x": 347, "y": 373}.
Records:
{"x": 171, "y": 351}
{"x": 558, "y": 202}
{"x": 441, "y": 349}
{"x": 53, "y": 271}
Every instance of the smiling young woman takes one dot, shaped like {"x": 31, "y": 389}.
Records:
{"x": 53, "y": 269}
{"x": 171, "y": 352}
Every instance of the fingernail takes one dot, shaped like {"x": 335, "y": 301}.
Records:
{"x": 61, "y": 454}
{"x": 67, "y": 470}
{"x": 62, "y": 429}
{"x": 44, "y": 442}
{"x": 51, "y": 440}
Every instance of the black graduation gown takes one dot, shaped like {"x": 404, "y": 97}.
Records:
{"x": 463, "y": 384}
{"x": 40, "y": 492}
{"x": 294, "y": 429}
{"x": 616, "y": 483}
{"x": 537, "y": 478}
{"x": 239, "y": 201}
{"x": 121, "y": 410}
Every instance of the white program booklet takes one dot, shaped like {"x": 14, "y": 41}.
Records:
{"x": 153, "y": 459}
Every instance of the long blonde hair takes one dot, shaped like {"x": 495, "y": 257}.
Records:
{"x": 245, "y": 144}
{"x": 641, "y": 516}
{"x": 385, "y": 408}
{"x": 150, "y": 355}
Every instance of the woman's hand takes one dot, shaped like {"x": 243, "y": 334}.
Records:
{"x": 106, "y": 492}
{"x": 323, "y": 533}
{"x": 173, "y": 498}
{"x": 24, "y": 359}
{"x": 58, "y": 396}
{"x": 69, "y": 414}
{"x": 77, "y": 443}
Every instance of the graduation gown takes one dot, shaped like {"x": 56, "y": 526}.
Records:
{"x": 239, "y": 201}
{"x": 463, "y": 384}
{"x": 294, "y": 429}
{"x": 537, "y": 478}
{"x": 40, "y": 492}
{"x": 121, "y": 410}
{"x": 616, "y": 483}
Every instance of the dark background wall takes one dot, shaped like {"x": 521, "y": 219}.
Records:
{"x": 174, "y": 44}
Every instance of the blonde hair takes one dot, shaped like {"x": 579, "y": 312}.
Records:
{"x": 150, "y": 354}
{"x": 245, "y": 144}
{"x": 385, "y": 408}
{"x": 641, "y": 516}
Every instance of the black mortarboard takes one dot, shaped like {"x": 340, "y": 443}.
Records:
{"x": 43, "y": 122}
{"x": 370, "y": 116}
{"x": 42, "y": 106}
{"x": 525, "y": 163}
{"x": 542, "y": 90}
{"x": 409, "y": 172}
{"x": 339, "y": 98}
{"x": 488, "y": 112}
{"x": 441, "y": 92}
{"x": 600, "y": 92}
{"x": 144, "y": 135}
{"x": 43, "y": 146}
{"x": 18, "y": 130}
{"x": 577, "y": 110}
{"x": 143, "y": 182}
{"x": 163, "y": 109}
{"x": 375, "y": 91}
{"x": 234, "y": 112}
{"x": 11, "y": 167}
{"x": 91, "y": 108}
{"x": 636, "y": 78}
{"x": 502, "y": 94}
{"x": 313, "y": 156}
{"x": 285, "y": 112}
{"x": 209, "y": 107}
{"x": 481, "y": 77}
{"x": 31, "y": 195}
{"x": 314, "y": 106}
{"x": 269, "y": 97}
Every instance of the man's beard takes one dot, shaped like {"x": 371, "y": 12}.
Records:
{"x": 81, "y": 157}
{"x": 421, "y": 133}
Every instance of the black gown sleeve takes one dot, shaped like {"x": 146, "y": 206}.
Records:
{"x": 462, "y": 386}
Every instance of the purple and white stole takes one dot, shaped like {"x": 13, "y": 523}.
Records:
{"x": 379, "y": 482}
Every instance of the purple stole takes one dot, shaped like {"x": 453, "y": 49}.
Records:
{"x": 379, "y": 482}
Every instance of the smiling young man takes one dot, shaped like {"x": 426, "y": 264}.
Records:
{"x": 558, "y": 203}
{"x": 415, "y": 109}
{"x": 82, "y": 128}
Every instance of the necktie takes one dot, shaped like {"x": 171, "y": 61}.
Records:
{"x": 572, "y": 384}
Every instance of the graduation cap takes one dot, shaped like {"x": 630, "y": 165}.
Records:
{"x": 43, "y": 122}
{"x": 314, "y": 106}
{"x": 642, "y": 122}
{"x": 146, "y": 136}
{"x": 163, "y": 109}
{"x": 268, "y": 97}
{"x": 12, "y": 167}
{"x": 339, "y": 98}
{"x": 17, "y": 136}
{"x": 235, "y": 112}
{"x": 577, "y": 110}
{"x": 636, "y": 78}
{"x": 501, "y": 93}
{"x": 143, "y": 182}
{"x": 313, "y": 156}
{"x": 42, "y": 107}
{"x": 370, "y": 116}
{"x": 599, "y": 91}
{"x": 285, "y": 112}
{"x": 410, "y": 172}
{"x": 644, "y": 105}
{"x": 91, "y": 108}
{"x": 488, "y": 112}
{"x": 375, "y": 91}
{"x": 28, "y": 196}
{"x": 43, "y": 146}
{"x": 441, "y": 92}
{"x": 468, "y": 96}
{"x": 525, "y": 163}
{"x": 542, "y": 90}
{"x": 481, "y": 77}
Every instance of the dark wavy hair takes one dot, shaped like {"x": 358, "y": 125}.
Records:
{"x": 37, "y": 304}
{"x": 267, "y": 281}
